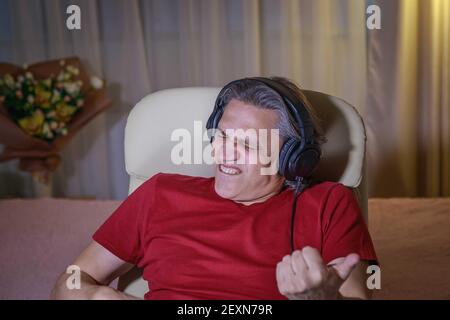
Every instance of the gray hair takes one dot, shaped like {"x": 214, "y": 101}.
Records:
{"x": 260, "y": 95}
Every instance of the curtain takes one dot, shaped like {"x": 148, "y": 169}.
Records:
{"x": 409, "y": 100}
{"x": 142, "y": 46}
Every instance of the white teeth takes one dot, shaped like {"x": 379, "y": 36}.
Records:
{"x": 229, "y": 170}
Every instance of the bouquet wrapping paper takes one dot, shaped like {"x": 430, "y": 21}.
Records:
{"x": 38, "y": 156}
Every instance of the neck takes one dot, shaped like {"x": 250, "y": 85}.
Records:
{"x": 261, "y": 198}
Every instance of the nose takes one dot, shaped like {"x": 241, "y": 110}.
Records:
{"x": 225, "y": 150}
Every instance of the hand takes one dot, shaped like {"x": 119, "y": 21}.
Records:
{"x": 304, "y": 276}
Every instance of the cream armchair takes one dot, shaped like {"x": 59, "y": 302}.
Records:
{"x": 148, "y": 144}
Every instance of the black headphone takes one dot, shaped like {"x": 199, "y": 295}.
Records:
{"x": 299, "y": 157}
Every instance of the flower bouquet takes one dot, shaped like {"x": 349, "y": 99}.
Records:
{"x": 42, "y": 107}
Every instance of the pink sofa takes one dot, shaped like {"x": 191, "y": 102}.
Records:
{"x": 40, "y": 238}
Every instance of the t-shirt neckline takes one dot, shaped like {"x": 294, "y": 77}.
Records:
{"x": 283, "y": 193}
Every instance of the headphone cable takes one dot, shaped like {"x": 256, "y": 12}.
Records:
{"x": 299, "y": 187}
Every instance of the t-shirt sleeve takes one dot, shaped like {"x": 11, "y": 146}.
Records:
{"x": 123, "y": 232}
{"x": 344, "y": 228}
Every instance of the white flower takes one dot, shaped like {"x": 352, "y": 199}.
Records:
{"x": 71, "y": 88}
{"x": 28, "y": 75}
{"x": 46, "y": 130}
{"x": 96, "y": 82}
{"x": 9, "y": 80}
{"x": 25, "y": 66}
{"x": 72, "y": 70}
{"x": 20, "y": 78}
{"x": 56, "y": 96}
{"x": 30, "y": 99}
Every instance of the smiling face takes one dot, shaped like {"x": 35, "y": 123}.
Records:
{"x": 238, "y": 155}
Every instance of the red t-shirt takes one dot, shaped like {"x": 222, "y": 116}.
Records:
{"x": 193, "y": 244}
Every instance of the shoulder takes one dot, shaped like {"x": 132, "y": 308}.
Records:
{"x": 326, "y": 191}
{"x": 165, "y": 179}
{"x": 174, "y": 181}
{"x": 328, "y": 199}
{"x": 337, "y": 202}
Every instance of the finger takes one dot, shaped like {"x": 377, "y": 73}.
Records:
{"x": 284, "y": 268}
{"x": 313, "y": 259}
{"x": 298, "y": 263}
{"x": 287, "y": 259}
{"x": 346, "y": 267}
{"x": 284, "y": 278}
{"x": 279, "y": 275}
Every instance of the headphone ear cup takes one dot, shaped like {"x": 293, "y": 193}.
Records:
{"x": 302, "y": 161}
{"x": 213, "y": 121}
{"x": 285, "y": 153}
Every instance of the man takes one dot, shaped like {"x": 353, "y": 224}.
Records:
{"x": 227, "y": 237}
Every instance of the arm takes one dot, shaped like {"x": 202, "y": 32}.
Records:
{"x": 343, "y": 231}
{"x": 98, "y": 268}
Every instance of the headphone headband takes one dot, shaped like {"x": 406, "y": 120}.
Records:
{"x": 294, "y": 106}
